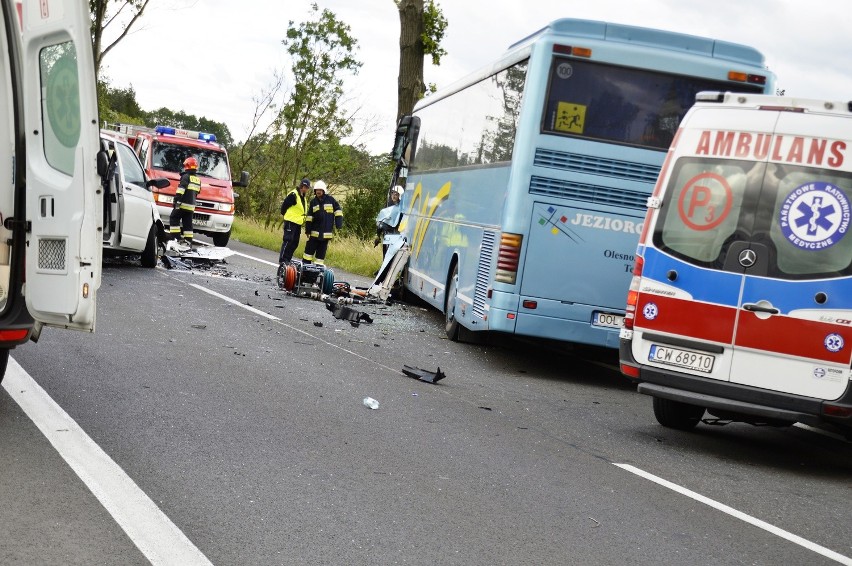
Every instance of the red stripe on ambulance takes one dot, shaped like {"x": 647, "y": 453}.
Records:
{"x": 793, "y": 337}
{"x": 701, "y": 321}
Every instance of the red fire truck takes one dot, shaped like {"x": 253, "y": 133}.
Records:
{"x": 162, "y": 151}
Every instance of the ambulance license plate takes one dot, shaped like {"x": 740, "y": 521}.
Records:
{"x": 681, "y": 358}
{"x": 607, "y": 320}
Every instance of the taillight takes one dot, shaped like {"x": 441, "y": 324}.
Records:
{"x": 746, "y": 78}
{"x": 508, "y": 258}
{"x": 633, "y": 293}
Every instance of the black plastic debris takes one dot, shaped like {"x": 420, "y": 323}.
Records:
{"x": 342, "y": 312}
{"x": 174, "y": 263}
{"x": 318, "y": 324}
{"x": 424, "y": 375}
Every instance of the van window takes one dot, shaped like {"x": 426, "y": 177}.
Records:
{"x": 801, "y": 214}
{"x": 133, "y": 173}
{"x": 702, "y": 210}
{"x": 810, "y": 222}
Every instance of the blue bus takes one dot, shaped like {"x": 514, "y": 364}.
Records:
{"x": 527, "y": 182}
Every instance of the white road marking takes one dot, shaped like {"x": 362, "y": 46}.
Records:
{"x": 153, "y": 533}
{"x": 282, "y": 323}
{"x": 257, "y": 259}
{"x": 740, "y": 515}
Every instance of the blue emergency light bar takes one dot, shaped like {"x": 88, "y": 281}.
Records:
{"x": 168, "y": 130}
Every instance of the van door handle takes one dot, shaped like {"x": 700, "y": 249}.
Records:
{"x": 751, "y": 307}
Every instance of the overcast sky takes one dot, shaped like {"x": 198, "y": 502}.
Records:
{"x": 214, "y": 57}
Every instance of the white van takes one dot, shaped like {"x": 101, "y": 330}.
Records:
{"x": 741, "y": 300}
{"x": 131, "y": 223}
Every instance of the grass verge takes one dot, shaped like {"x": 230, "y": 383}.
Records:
{"x": 348, "y": 253}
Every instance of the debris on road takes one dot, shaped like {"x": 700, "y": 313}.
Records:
{"x": 342, "y": 312}
{"x": 371, "y": 403}
{"x": 423, "y": 375}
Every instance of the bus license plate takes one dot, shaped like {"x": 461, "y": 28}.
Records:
{"x": 607, "y": 320}
{"x": 681, "y": 358}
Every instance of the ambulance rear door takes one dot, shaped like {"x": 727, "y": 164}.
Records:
{"x": 692, "y": 280}
{"x": 794, "y": 333}
{"x": 63, "y": 204}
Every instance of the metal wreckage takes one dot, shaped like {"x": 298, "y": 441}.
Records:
{"x": 309, "y": 280}
{"x": 313, "y": 281}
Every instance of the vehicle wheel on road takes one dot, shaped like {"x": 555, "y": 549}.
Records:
{"x": 451, "y": 325}
{"x": 4, "y": 361}
{"x": 151, "y": 253}
{"x": 220, "y": 239}
{"x": 674, "y": 414}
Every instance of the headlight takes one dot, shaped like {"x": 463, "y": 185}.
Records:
{"x": 225, "y": 206}
{"x": 165, "y": 199}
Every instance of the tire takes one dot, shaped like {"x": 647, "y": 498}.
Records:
{"x": 451, "y": 325}
{"x": 4, "y": 361}
{"x": 151, "y": 253}
{"x": 220, "y": 239}
{"x": 677, "y": 415}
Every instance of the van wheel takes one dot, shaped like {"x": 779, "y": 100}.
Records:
{"x": 451, "y": 325}
{"x": 677, "y": 415}
{"x": 151, "y": 253}
{"x": 220, "y": 239}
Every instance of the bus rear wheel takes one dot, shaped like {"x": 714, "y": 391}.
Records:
{"x": 451, "y": 325}
{"x": 677, "y": 415}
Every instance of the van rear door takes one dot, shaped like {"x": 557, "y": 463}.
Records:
{"x": 794, "y": 332}
{"x": 63, "y": 255}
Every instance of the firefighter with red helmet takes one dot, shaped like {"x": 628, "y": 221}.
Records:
{"x": 180, "y": 220}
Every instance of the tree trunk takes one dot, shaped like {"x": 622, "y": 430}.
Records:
{"x": 410, "y": 86}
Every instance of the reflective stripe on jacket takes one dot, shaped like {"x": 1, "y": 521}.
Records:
{"x": 323, "y": 217}
{"x": 187, "y": 190}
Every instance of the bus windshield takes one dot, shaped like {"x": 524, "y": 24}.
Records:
{"x": 211, "y": 162}
{"x": 620, "y": 104}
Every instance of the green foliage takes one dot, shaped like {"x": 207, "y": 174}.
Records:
{"x": 303, "y": 138}
{"x": 434, "y": 26}
{"x": 369, "y": 181}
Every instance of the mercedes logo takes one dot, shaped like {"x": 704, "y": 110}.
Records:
{"x": 747, "y": 258}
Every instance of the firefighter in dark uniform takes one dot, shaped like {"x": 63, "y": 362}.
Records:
{"x": 294, "y": 208}
{"x": 184, "y": 206}
{"x": 324, "y": 215}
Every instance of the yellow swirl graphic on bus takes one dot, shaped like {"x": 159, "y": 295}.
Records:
{"x": 426, "y": 210}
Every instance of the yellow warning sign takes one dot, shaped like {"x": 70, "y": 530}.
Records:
{"x": 570, "y": 117}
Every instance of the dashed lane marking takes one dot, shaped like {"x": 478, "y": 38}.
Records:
{"x": 740, "y": 515}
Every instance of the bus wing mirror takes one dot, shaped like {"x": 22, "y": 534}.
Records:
{"x": 401, "y": 137}
{"x": 407, "y": 130}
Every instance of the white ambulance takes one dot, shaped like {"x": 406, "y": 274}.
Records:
{"x": 741, "y": 300}
{"x": 51, "y": 203}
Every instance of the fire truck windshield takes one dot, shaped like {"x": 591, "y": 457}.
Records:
{"x": 211, "y": 163}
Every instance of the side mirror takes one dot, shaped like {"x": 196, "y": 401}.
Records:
{"x": 400, "y": 141}
{"x": 160, "y": 183}
{"x": 103, "y": 160}
{"x": 244, "y": 180}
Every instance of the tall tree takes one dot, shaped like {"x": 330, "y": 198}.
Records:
{"x": 115, "y": 13}
{"x": 304, "y": 137}
{"x": 421, "y": 29}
